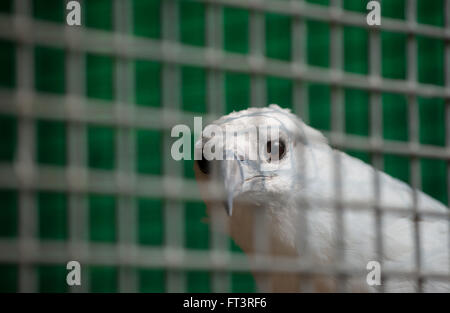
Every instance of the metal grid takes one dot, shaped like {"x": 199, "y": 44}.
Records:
{"x": 77, "y": 180}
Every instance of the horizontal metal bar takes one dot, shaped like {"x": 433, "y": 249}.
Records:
{"x": 102, "y": 42}
{"x": 335, "y": 15}
{"x": 82, "y": 180}
{"x": 84, "y": 110}
{"x": 375, "y": 145}
{"x": 52, "y": 252}
{"x": 94, "y": 111}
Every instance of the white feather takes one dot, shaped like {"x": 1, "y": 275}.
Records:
{"x": 306, "y": 174}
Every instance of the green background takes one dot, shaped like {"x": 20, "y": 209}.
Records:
{"x": 52, "y": 140}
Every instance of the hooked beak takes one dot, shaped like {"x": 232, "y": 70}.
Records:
{"x": 233, "y": 177}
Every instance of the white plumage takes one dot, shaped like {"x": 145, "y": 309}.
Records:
{"x": 303, "y": 180}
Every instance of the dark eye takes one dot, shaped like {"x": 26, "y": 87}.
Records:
{"x": 276, "y": 146}
{"x": 204, "y": 165}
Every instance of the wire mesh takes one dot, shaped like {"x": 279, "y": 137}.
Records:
{"x": 86, "y": 114}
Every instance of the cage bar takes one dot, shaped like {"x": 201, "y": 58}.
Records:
{"x": 216, "y": 105}
{"x": 76, "y": 171}
{"x": 376, "y": 126}
{"x": 337, "y": 126}
{"x": 77, "y": 180}
{"x": 447, "y": 107}
{"x": 26, "y": 149}
{"x": 125, "y": 149}
{"x": 101, "y": 42}
{"x": 413, "y": 119}
{"x": 300, "y": 92}
{"x": 325, "y": 14}
{"x": 257, "y": 51}
{"x": 173, "y": 210}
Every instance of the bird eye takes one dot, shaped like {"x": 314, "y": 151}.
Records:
{"x": 204, "y": 165}
{"x": 276, "y": 146}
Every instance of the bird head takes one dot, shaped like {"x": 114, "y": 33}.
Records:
{"x": 258, "y": 156}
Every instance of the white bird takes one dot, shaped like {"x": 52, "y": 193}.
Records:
{"x": 288, "y": 199}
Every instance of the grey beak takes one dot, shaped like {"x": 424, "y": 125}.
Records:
{"x": 233, "y": 178}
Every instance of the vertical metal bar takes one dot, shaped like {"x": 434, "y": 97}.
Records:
{"x": 124, "y": 88}
{"x": 26, "y": 150}
{"x": 416, "y": 184}
{"x": 173, "y": 209}
{"x": 414, "y": 135}
{"x": 76, "y": 170}
{"x": 376, "y": 125}
{"x": 447, "y": 110}
{"x": 216, "y": 106}
{"x": 377, "y": 161}
{"x": 300, "y": 96}
{"x": 339, "y": 252}
{"x": 337, "y": 126}
{"x": 259, "y": 99}
{"x": 337, "y": 101}
{"x": 257, "y": 48}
